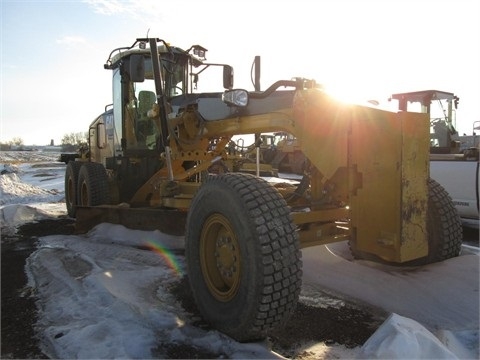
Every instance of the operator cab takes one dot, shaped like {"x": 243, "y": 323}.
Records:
{"x": 440, "y": 106}
{"x": 136, "y": 94}
{"x": 145, "y": 92}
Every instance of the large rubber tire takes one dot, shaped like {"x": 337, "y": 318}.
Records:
{"x": 444, "y": 228}
{"x": 71, "y": 184}
{"x": 92, "y": 186}
{"x": 243, "y": 257}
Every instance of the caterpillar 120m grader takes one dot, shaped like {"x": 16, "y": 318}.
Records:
{"x": 159, "y": 159}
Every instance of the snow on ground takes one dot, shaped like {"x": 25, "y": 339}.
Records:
{"x": 103, "y": 296}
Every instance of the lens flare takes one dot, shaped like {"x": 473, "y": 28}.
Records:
{"x": 167, "y": 255}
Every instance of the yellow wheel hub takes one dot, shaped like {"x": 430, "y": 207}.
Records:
{"x": 220, "y": 258}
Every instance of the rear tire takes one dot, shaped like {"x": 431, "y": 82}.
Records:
{"x": 92, "y": 185}
{"x": 71, "y": 184}
{"x": 243, "y": 257}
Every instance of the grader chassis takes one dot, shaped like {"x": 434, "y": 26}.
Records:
{"x": 159, "y": 158}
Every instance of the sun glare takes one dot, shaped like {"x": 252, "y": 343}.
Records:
{"x": 364, "y": 95}
{"x": 351, "y": 95}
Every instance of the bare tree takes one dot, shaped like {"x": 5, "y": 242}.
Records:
{"x": 72, "y": 141}
{"x": 17, "y": 141}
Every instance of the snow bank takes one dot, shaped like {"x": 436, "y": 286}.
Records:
{"x": 402, "y": 338}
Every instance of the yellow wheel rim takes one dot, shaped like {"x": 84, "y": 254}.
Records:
{"x": 220, "y": 258}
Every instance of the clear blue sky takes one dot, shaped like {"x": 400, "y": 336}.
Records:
{"x": 52, "y": 52}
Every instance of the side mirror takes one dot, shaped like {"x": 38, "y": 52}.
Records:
{"x": 137, "y": 68}
{"x": 227, "y": 77}
{"x": 101, "y": 136}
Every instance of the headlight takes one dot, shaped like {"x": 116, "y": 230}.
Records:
{"x": 235, "y": 97}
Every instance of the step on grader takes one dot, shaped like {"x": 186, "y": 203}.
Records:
{"x": 160, "y": 158}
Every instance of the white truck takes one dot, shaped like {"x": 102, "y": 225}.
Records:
{"x": 454, "y": 159}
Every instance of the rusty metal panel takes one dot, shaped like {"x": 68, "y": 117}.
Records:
{"x": 375, "y": 151}
{"x": 415, "y": 173}
{"x": 387, "y": 212}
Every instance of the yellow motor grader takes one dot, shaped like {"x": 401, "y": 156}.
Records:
{"x": 158, "y": 159}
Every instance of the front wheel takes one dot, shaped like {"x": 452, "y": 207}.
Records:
{"x": 243, "y": 257}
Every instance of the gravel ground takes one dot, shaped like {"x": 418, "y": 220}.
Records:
{"x": 19, "y": 311}
{"x": 349, "y": 324}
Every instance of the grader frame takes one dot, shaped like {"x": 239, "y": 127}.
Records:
{"x": 366, "y": 181}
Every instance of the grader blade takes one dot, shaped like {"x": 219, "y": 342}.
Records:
{"x": 168, "y": 221}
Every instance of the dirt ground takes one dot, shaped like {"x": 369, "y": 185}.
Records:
{"x": 19, "y": 311}
{"x": 350, "y": 324}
